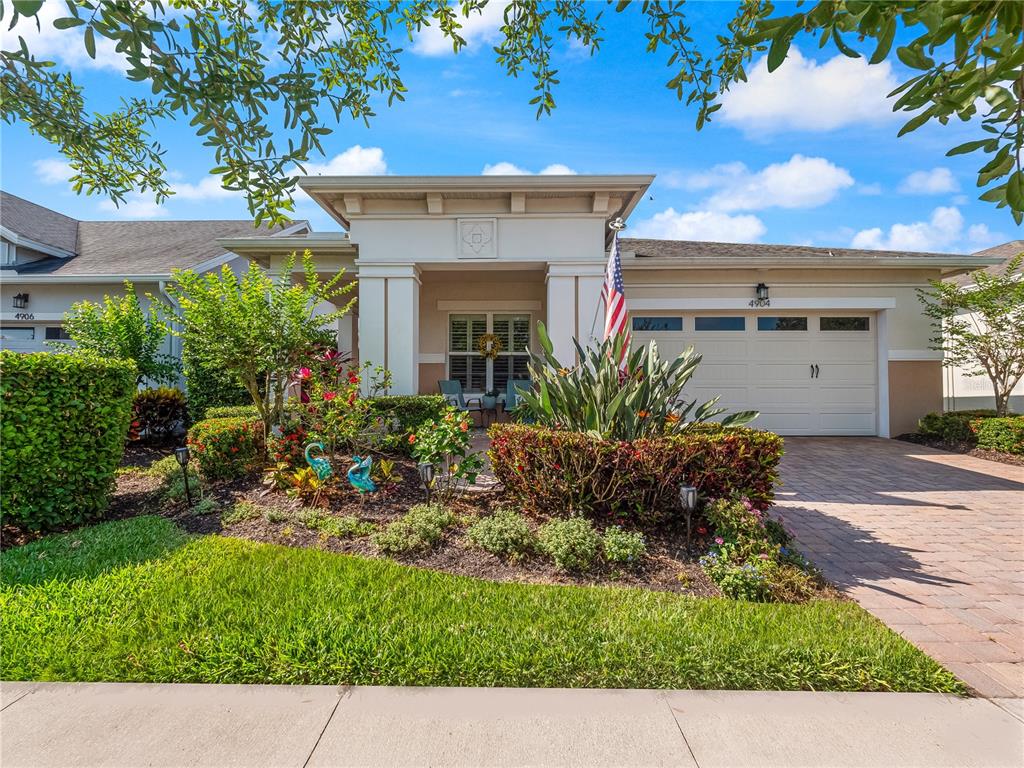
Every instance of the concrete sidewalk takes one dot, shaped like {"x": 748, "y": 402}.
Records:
{"x": 113, "y": 724}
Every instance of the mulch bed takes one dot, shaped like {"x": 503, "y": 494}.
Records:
{"x": 965, "y": 448}
{"x": 668, "y": 565}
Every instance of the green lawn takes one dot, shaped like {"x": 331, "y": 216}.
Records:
{"x": 138, "y": 600}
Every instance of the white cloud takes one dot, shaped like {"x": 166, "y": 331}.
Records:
{"x": 701, "y": 225}
{"x": 505, "y": 168}
{"x": 66, "y": 46}
{"x": 53, "y": 170}
{"x": 209, "y": 188}
{"x": 354, "y": 161}
{"x": 979, "y": 236}
{"x": 934, "y": 182}
{"x": 803, "y": 95}
{"x": 940, "y": 233}
{"x": 137, "y": 206}
{"x": 475, "y": 29}
{"x": 800, "y": 182}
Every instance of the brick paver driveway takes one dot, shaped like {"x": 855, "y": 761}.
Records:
{"x": 932, "y": 543}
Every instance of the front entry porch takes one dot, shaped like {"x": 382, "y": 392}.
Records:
{"x": 424, "y": 322}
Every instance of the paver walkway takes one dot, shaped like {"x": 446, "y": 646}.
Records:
{"x": 932, "y": 543}
{"x": 117, "y": 724}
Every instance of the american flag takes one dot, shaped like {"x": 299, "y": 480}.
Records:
{"x": 614, "y": 296}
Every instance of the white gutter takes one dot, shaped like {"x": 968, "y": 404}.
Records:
{"x": 77, "y": 279}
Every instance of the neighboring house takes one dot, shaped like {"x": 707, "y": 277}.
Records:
{"x": 964, "y": 392}
{"x": 50, "y": 261}
{"x": 836, "y": 345}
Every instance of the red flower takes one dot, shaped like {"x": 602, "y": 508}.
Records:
{"x": 412, "y": 439}
{"x": 330, "y": 396}
{"x": 702, "y": 530}
{"x": 352, "y": 397}
{"x": 353, "y": 377}
{"x": 305, "y": 373}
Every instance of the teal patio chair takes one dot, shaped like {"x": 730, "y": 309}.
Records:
{"x": 452, "y": 391}
{"x": 512, "y": 397}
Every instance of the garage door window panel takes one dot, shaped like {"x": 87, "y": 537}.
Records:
{"x": 767, "y": 323}
{"x": 844, "y": 323}
{"x": 724, "y": 323}
{"x": 657, "y": 324}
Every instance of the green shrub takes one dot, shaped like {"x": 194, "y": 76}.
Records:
{"x": 64, "y": 423}
{"x": 404, "y": 414}
{"x": 421, "y": 528}
{"x": 560, "y": 473}
{"x": 739, "y": 580}
{"x": 952, "y": 426}
{"x": 505, "y": 533}
{"x": 1000, "y": 434}
{"x": 204, "y": 506}
{"x": 208, "y": 388}
{"x": 572, "y": 544}
{"x": 239, "y": 511}
{"x": 227, "y": 448}
{"x": 157, "y": 411}
{"x": 611, "y": 392}
{"x": 232, "y": 412}
{"x": 624, "y": 548}
{"x": 342, "y": 527}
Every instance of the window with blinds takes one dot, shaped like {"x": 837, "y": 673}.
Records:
{"x": 475, "y": 372}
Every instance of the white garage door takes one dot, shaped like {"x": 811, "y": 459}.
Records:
{"x": 806, "y": 373}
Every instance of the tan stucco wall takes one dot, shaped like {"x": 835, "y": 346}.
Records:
{"x": 915, "y": 388}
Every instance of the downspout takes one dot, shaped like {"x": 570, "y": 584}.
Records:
{"x": 175, "y": 341}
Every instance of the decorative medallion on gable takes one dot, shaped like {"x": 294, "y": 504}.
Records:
{"x": 478, "y": 239}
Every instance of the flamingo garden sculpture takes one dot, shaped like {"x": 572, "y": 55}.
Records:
{"x": 320, "y": 466}
{"x": 359, "y": 476}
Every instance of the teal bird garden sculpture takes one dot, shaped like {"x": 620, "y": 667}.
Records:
{"x": 359, "y": 475}
{"x": 320, "y": 464}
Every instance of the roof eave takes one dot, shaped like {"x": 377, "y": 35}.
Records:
{"x": 951, "y": 265}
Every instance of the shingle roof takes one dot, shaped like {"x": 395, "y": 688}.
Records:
{"x": 674, "y": 249}
{"x": 38, "y": 223}
{"x": 1006, "y": 251}
{"x": 122, "y": 247}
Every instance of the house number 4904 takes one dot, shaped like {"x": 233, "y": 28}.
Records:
{"x": 760, "y": 302}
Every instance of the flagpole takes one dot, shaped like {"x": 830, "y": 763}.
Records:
{"x": 616, "y": 226}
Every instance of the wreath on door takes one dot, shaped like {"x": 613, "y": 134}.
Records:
{"x": 489, "y": 346}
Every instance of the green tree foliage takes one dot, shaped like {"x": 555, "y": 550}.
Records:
{"x": 119, "y": 328}
{"x": 236, "y": 66}
{"x": 257, "y": 329}
{"x": 980, "y": 327}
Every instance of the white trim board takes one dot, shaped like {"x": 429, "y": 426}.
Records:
{"x": 492, "y": 305}
{"x": 914, "y": 354}
{"x": 431, "y": 357}
{"x": 830, "y": 302}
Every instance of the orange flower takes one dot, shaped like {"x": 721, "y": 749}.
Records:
{"x": 412, "y": 439}
{"x": 642, "y": 414}
{"x": 464, "y": 426}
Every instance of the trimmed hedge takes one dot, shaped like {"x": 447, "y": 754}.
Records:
{"x": 65, "y": 419}
{"x": 560, "y": 473}
{"x": 227, "y": 448}
{"x": 411, "y": 411}
{"x": 1004, "y": 434}
{"x": 207, "y": 388}
{"x": 952, "y": 426}
{"x": 232, "y": 412}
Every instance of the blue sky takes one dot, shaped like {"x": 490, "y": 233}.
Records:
{"x": 807, "y": 155}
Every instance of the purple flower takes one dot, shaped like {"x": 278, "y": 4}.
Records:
{"x": 719, "y": 540}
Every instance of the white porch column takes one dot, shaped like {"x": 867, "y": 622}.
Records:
{"x": 573, "y": 306}
{"x": 346, "y": 333}
{"x": 389, "y": 310}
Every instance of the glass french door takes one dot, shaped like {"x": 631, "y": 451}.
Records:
{"x": 477, "y": 373}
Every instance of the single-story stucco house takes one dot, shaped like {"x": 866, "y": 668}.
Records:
{"x": 963, "y": 392}
{"x": 49, "y": 261}
{"x": 835, "y": 345}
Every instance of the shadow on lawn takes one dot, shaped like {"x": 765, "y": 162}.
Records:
{"x": 850, "y": 556}
{"x": 91, "y": 551}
